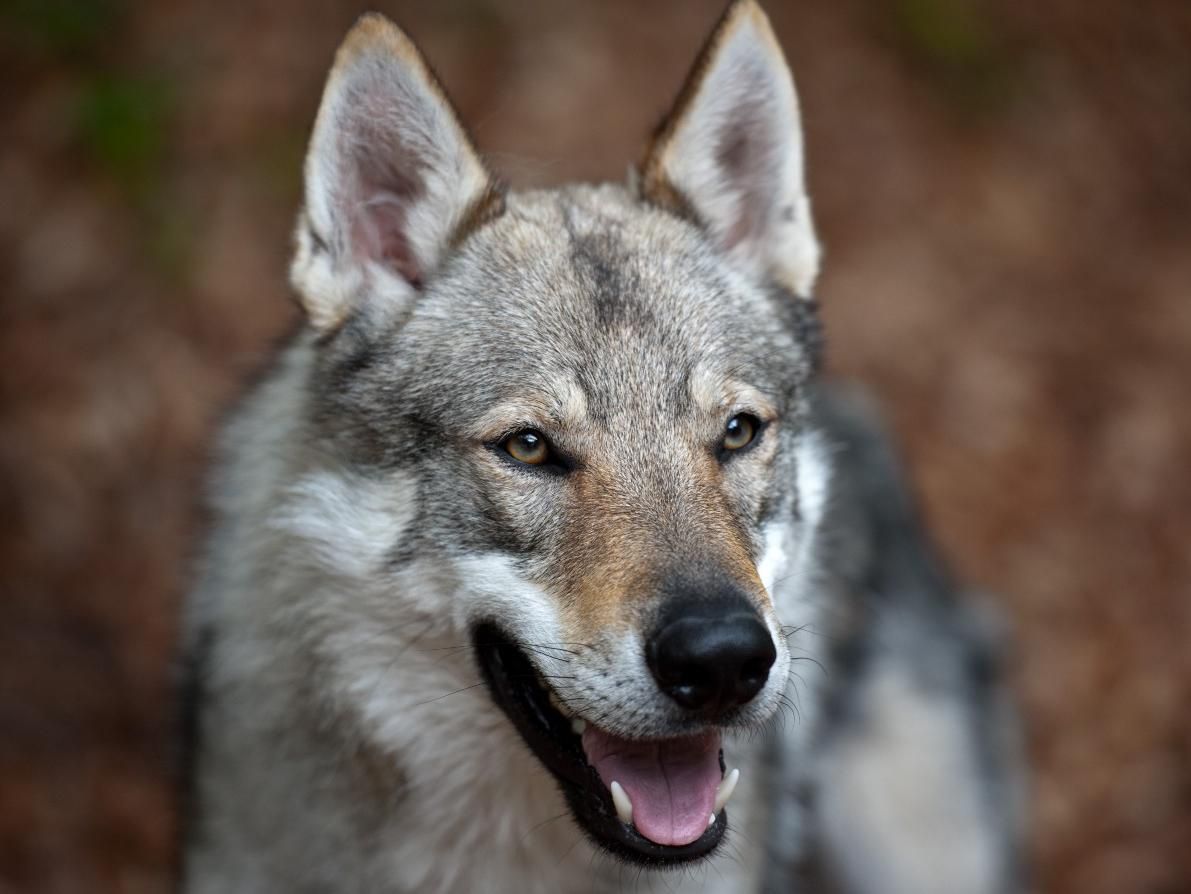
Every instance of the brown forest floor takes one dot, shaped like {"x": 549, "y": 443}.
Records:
{"x": 1004, "y": 190}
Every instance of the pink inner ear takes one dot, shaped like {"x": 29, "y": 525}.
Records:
{"x": 384, "y": 179}
{"x": 748, "y": 154}
{"x": 380, "y": 233}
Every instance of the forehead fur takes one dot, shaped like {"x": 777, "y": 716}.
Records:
{"x": 589, "y": 287}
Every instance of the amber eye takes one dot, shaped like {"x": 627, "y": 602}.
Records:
{"x": 527, "y": 446}
{"x": 740, "y": 431}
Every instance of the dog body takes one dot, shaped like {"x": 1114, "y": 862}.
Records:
{"x": 542, "y": 527}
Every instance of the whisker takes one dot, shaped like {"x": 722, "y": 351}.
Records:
{"x": 537, "y": 826}
{"x": 449, "y": 694}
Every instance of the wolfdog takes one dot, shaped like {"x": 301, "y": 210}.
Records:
{"x": 541, "y": 559}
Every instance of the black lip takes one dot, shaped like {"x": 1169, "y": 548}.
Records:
{"x": 515, "y": 687}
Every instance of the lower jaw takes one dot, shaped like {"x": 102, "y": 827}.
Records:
{"x": 586, "y": 795}
{"x": 625, "y": 843}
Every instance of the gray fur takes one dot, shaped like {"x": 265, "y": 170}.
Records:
{"x": 366, "y": 521}
{"x": 898, "y": 616}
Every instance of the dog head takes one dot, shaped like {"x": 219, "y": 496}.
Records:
{"x": 596, "y": 396}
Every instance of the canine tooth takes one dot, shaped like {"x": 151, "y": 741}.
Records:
{"x": 624, "y": 807}
{"x": 578, "y": 724}
{"x": 726, "y": 787}
{"x": 711, "y": 822}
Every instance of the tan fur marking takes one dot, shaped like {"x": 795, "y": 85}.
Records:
{"x": 486, "y": 208}
{"x": 373, "y": 33}
{"x": 705, "y": 390}
{"x": 572, "y": 402}
{"x": 740, "y": 397}
{"x": 619, "y": 551}
{"x": 564, "y": 406}
{"x": 714, "y": 397}
{"x": 610, "y": 561}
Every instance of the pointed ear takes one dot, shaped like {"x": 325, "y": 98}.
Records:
{"x": 391, "y": 179}
{"x": 729, "y": 154}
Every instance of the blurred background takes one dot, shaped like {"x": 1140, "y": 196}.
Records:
{"x": 1004, "y": 193}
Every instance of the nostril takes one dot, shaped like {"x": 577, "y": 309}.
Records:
{"x": 690, "y": 695}
{"x": 753, "y": 675}
{"x": 757, "y": 668}
{"x": 687, "y": 682}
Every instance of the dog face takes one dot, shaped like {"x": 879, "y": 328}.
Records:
{"x": 598, "y": 393}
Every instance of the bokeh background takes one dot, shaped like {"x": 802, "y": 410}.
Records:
{"x": 1004, "y": 192}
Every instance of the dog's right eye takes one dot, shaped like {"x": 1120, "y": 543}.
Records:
{"x": 527, "y": 446}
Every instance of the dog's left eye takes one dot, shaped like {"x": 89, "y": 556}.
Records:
{"x": 740, "y": 431}
{"x": 527, "y": 446}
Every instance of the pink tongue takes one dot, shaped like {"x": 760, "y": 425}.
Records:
{"x": 671, "y": 783}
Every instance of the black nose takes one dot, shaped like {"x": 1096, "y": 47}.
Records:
{"x": 710, "y": 656}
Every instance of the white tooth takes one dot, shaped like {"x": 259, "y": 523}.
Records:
{"x": 624, "y": 807}
{"x": 578, "y": 724}
{"x": 726, "y": 787}
{"x": 711, "y": 822}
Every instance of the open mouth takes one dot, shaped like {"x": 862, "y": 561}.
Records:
{"x": 656, "y": 803}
